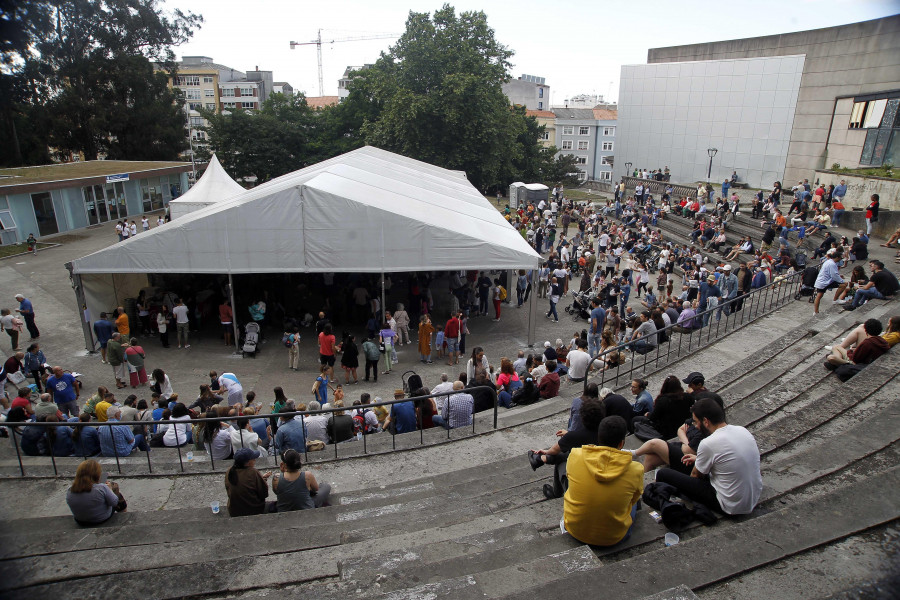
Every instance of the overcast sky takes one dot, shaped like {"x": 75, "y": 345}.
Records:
{"x": 579, "y": 46}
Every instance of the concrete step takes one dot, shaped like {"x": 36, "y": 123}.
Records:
{"x": 741, "y": 548}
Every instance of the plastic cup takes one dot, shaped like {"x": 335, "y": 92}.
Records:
{"x": 671, "y": 538}
{"x": 190, "y": 456}
{"x": 214, "y": 505}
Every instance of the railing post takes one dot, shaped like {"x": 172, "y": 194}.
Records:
{"x": 12, "y": 432}
{"x": 305, "y": 441}
{"x": 52, "y": 453}
{"x": 112, "y": 435}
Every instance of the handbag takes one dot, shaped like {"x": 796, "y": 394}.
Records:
{"x": 315, "y": 445}
{"x": 644, "y": 430}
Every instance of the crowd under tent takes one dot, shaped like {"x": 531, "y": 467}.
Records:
{"x": 213, "y": 186}
{"x": 366, "y": 211}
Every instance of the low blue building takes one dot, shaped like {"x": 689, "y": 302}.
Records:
{"x": 51, "y": 199}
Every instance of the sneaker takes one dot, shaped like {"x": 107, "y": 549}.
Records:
{"x": 549, "y": 494}
{"x": 535, "y": 460}
{"x": 841, "y": 301}
{"x": 827, "y": 348}
{"x": 187, "y": 346}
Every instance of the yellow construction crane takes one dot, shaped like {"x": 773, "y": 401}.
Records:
{"x": 318, "y": 43}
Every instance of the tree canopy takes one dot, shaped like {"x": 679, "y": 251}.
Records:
{"x": 79, "y": 75}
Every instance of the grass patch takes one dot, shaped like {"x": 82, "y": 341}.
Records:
{"x": 887, "y": 171}
{"x": 13, "y": 249}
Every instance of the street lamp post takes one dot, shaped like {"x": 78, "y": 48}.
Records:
{"x": 711, "y": 152}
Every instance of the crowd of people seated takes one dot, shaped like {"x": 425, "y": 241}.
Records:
{"x": 686, "y": 437}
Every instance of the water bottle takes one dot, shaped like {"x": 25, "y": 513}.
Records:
{"x": 190, "y": 456}
{"x": 359, "y": 436}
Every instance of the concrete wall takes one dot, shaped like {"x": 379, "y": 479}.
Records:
{"x": 860, "y": 189}
{"x": 847, "y": 60}
{"x": 526, "y": 93}
{"x": 669, "y": 114}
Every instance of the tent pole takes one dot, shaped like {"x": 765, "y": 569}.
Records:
{"x": 383, "y": 306}
{"x": 83, "y": 316}
{"x": 233, "y": 313}
{"x": 532, "y": 305}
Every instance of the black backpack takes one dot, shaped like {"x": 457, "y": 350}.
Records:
{"x": 675, "y": 515}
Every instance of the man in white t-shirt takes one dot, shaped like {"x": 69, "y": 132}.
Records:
{"x": 445, "y": 386}
{"x": 578, "y": 361}
{"x": 726, "y": 475}
{"x": 181, "y": 321}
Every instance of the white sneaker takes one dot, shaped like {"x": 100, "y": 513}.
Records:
{"x": 828, "y": 348}
{"x": 842, "y": 301}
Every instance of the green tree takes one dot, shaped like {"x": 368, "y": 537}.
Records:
{"x": 77, "y": 64}
{"x": 563, "y": 170}
{"x": 263, "y": 144}
{"x": 436, "y": 96}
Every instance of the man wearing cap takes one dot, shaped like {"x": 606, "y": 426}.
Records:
{"x": 247, "y": 489}
{"x": 729, "y": 286}
{"x": 644, "y": 337}
{"x": 402, "y": 416}
{"x": 709, "y": 298}
{"x": 829, "y": 277}
{"x": 695, "y": 382}
{"x": 27, "y": 311}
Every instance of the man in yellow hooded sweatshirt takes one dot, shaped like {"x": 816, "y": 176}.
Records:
{"x": 605, "y": 485}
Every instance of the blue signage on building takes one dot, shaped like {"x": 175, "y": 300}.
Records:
{"x": 115, "y": 178}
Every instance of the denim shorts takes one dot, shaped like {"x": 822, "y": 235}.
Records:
{"x": 452, "y": 344}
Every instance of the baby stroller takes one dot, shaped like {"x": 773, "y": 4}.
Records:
{"x": 251, "y": 339}
{"x": 807, "y": 283}
{"x": 580, "y": 307}
{"x": 411, "y": 383}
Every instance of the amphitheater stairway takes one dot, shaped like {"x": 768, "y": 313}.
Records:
{"x": 486, "y": 531}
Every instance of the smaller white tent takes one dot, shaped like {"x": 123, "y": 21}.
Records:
{"x": 213, "y": 186}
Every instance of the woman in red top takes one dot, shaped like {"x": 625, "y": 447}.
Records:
{"x": 507, "y": 383}
{"x": 134, "y": 355}
{"x": 326, "y": 346}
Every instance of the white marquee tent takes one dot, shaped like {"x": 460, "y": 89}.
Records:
{"x": 365, "y": 211}
{"x": 213, "y": 186}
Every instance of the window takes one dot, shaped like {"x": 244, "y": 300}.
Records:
{"x": 196, "y": 121}
{"x": 567, "y": 145}
{"x": 226, "y": 92}
{"x": 874, "y": 112}
{"x": 605, "y": 175}
{"x": 582, "y": 176}
{"x": 187, "y": 80}
{"x": 210, "y": 106}
{"x": 44, "y": 213}
{"x": 199, "y": 136}
{"x": 8, "y": 228}
{"x": 246, "y": 91}
{"x": 192, "y": 94}
{"x": 545, "y": 136}
{"x": 607, "y": 146}
{"x": 584, "y": 145}
{"x": 856, "y": 116}
{"x": 209, "y": 93}
{"x": 151, "y": 193}
{"x": 581, "y": 160}
{"x": 604, "y": 160}
{"x": 584, "y": 130}
{"x": 195, "y": 105}
{"x": 568, "y": 129}
{"x": 540, "y": 106}
{"x": 540, "y": 92}
{"x": 609, "y": 131}
{"x": 207, "y": 79}
{"x": 248, "y": 104}
{"x": 229, "y": 105}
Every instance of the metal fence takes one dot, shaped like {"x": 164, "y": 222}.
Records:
{"x": 726, "y": 317}
{"x": 13, "y": 428}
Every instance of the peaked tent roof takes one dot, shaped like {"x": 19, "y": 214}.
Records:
{"x": 214, "y": 185}
{"x": 365, "y": 211}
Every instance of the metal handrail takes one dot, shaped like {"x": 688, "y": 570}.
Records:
{"x": 12, "y": 426}
{"x": 753, "y": 304}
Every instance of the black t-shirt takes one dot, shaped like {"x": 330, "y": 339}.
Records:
{"x": 885, "y": 282}
{"x": 577, "y": 439}
{"x": 670, "y": 411}
{"x": 769, "y": 235}
{"x": 617, "y": 405}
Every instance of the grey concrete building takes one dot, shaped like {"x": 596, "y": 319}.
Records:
{"x": 529, "y": 91}
{"x": 776, "y": 107}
